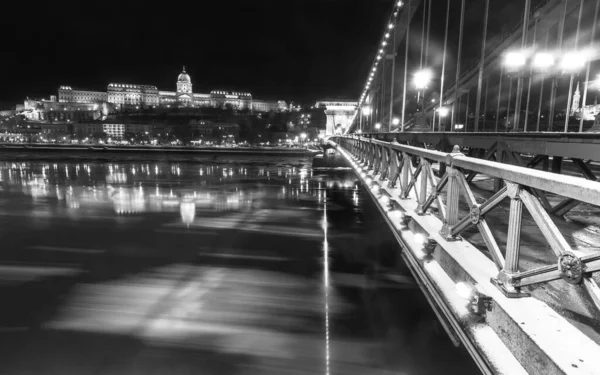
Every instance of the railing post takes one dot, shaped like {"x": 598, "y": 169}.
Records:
{"x": 505, "y": 279}
{"x": 405, "y": 167}
{"x": 423, "y": 186}
{"x": 452, "y": 196}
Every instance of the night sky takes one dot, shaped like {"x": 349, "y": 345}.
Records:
{"x": 299, "y": 50}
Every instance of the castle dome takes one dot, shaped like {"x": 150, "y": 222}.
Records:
{"x": 184, "y": 77}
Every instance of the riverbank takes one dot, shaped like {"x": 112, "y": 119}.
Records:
{"x": 146, "y": 153}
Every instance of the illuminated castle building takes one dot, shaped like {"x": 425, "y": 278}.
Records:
{"x": 122, "y": 95}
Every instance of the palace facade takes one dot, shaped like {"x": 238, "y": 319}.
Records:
{"x": 125, "y": 95}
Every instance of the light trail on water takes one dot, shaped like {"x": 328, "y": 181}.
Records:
{"x": 326, "y": 286}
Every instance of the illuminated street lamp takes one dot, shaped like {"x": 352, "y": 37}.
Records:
{"x": 366, "y": 111}
{"x": 378, "y": 126}
{"x": 422, "y": 78}
{"x": 395, "y": 121}
{"x": 443, "y": 111}
{"x": 543, "y": 60}
{"x": 515, "y": 60}
{"x": 572, "y": 61}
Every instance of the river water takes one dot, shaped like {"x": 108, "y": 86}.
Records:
{"x": 234, "y": 266}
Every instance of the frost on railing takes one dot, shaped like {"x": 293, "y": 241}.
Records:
{"x": 407, "y": 172}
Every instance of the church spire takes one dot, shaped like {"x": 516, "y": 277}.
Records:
{"x": 577, "y": 82}
{"x": 576, "y": 98}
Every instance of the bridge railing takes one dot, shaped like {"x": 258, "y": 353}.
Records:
{"x": 406, "y": 173}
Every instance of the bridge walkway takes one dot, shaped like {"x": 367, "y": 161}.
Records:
{"x": 455, "y": 233}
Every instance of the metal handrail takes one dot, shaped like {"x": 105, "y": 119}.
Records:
{"x": 394, "y": 166}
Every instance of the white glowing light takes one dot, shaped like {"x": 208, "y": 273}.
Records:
{"x": 420, "y": 238}
{"x": 465, "y": 290}
{"x": 514, "y": 59}
{"x": 375, "y": 188}
{"x": 387, "y": 35}
{"x": 368, "y": 180}
{"x": 390, "y": 26}
{"x": 443, "y": 111}
{"x": 366, "y": 111}
{"x": 422, "y": 78}
{"x": 378, "y": 126}
{"x": 543, "y": 60}
{"x": 395, "y": 121}
{"x": 385, "y": 200}
{"x": 573, "y": 61}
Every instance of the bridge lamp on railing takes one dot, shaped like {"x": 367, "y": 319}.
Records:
{"x": 378, "y": 126}
{"x": 395, "y": 121}
{"x": 478, "y": 303}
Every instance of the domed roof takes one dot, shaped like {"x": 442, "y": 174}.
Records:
{"x": 184, "y": 77}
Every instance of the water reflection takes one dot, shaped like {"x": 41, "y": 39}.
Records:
{"x": 139, "y": 188}
{"x": 261, "y": 263}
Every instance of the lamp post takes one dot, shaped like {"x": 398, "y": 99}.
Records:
{"x": 442, "y": 113}
{"x": 421, "y": 79}
{"x": 366, "y": 111}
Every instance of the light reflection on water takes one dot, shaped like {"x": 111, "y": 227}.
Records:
{"x": 160, "y": 187}
{"x": 245, "y": 258}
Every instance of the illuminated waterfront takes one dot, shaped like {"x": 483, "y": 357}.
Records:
{"x": 247, "y": 266}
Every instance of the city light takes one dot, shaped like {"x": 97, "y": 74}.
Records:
{"x": 378, "y": 126}
{"x": 395, "y": 121}
{"x": 422, "y": 78}
{"x": 443, "y": 111}
{"x": 366, "y": 111}
{"x": 514, "y": 59}
{"x": 543, "y": 60}
{"x": 303, "y": 136}
{"x": 572, "y": 61}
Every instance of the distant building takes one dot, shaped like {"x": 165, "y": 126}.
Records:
{"x": 67, "y": 95}
{"x": 8, "y": 113}
{"x": 589, "y": 112}
{"x": 339, "y": 114}
{"x": 134, "y": 96}
{"x": 112, "y": 129}
{"x": 219, "y": 132}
